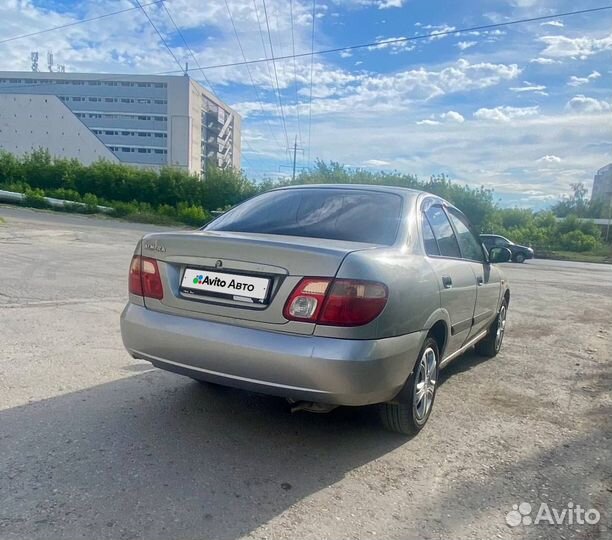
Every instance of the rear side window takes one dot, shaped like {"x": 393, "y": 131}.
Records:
{"x": 443, "y": 232}
{"x": 431, "y": 246}
{"x": 470, "y": 247}
{"x": 335, "y": 214}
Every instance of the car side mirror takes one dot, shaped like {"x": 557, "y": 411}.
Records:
{"x": 500, "y": 255}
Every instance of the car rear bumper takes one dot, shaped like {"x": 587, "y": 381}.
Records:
{"x": 299, "y": 367}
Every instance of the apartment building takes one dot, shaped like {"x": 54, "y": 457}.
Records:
{"x": 142, "y": 120}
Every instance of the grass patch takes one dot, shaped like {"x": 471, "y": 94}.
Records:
{"x": 150, "y": 217}
{"x": 599, "y": 256}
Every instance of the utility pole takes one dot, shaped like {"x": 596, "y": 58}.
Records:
{"x": 295, "y": 151}
{"x": 609, "y": 217}
{"x": 294, "y": 155}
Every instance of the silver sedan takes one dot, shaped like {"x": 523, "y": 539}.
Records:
{"x": 325, "y": 295}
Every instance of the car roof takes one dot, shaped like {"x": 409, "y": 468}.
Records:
{"x": 361, "y": 187}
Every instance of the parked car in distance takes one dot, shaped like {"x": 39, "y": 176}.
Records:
{"x": 325, "y": 295}
{"x": 519, "y": 253}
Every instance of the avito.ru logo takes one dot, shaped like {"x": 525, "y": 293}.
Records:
{"x": 573, "y": 514}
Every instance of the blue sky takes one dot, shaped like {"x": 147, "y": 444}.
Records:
{"x": 523, "y": 109}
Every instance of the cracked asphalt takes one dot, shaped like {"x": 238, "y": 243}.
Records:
{"x": 94, "y": 444}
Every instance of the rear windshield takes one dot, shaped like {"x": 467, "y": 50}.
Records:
{"x": 351, "y": 215}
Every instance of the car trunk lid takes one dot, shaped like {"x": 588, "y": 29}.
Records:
{"x": 190, "y": 261}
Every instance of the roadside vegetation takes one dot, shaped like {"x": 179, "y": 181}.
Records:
{"x": 170, "y": 196}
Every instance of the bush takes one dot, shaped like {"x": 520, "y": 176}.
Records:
{"x": 172, "y": 195}
{"x": 192, "y": 215}
{"x": 35, "y": 198}
{"x": 91, "y": 203}
{"x": 578, "y": 241}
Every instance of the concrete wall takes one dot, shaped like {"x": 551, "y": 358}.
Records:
{"x": 29, "y": 122}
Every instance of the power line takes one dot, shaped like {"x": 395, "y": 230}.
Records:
{"x": 249, "y": 72}
{"x": 312, "y": 37}
{"x": 263, "y": 46}
{"x": 404, "y": 39}
{"x": 263, "y": 42}
{"x": 278, "y": 93}
{"x": 187, "y": 46}
{"x": 201, "y": 70}
{"x": 297, "y": 99}
{"x": 75, "y": 23}
{"x": 160, "y": 35}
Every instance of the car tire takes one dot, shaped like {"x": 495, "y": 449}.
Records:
{"x": 519, "y": 258}
{"x": 491, "y": 344}
{"x": 408, "y": 412}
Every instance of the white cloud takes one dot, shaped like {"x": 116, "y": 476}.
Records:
{"x": 376, "y": 163}
{"x": 386, "y": 4}
{"x": 530, "y": 87}
{"x": 476, "y": 152}
{"x": 544, "y": 61}
{"x": 392, "y": 44}
{"x": 379, "y": 4}
{"x": 505, "y": 113}
{"x": 584, "y": 104}
{"x": 558, "y": 24}
{"x": 465, "y": 44}
{"x": 453, "y": 116}
{"x": 579, "y": 81}
{"x": 582, "y": 47}
{"x": 338, "y": 91}
{"x": 439, "y": 31}
{"x": 435, "y": 120}
{"x": 548, "y": 158}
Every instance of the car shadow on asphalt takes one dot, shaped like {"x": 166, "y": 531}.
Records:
{"x": 466, "y": 362}
{"x": 158, "y": 456}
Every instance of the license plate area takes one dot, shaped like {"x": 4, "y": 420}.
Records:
{"x": 246, "y": 288}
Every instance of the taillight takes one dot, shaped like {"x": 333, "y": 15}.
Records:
{"x": 144, "y": 279}
{"x": 338, "y": 302}
{"x": 306, "y": 300}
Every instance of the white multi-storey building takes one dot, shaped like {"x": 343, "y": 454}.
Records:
{"x": 142, "y": 120}
{"x": 602, "y": 184}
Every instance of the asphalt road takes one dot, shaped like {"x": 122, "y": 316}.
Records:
{"x": 94, "y": 444}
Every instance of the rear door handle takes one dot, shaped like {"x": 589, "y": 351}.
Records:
{"x": 447, "y": 282}
{"x": 480, "y": 281}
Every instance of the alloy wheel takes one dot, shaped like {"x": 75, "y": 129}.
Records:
{"x": 501, "y": 328}
{"x": 425, "y": 386}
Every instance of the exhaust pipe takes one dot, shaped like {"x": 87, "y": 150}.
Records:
{"x": 311, "y": 406}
